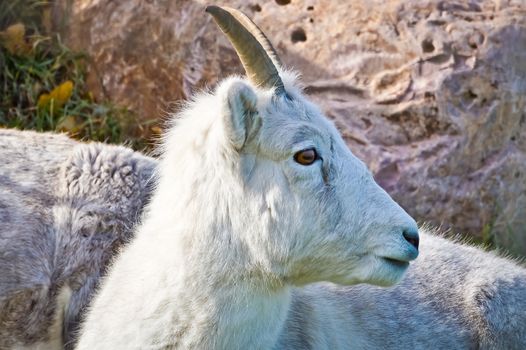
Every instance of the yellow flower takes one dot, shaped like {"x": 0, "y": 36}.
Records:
{"x": 13, "y": 39}
{"x": 57, "y": 97}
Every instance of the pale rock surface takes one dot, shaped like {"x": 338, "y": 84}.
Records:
{"x": 431, "y": 94}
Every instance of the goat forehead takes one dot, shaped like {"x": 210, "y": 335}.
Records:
{"x": 297, "y": 108}
{"x": 292, "y": 123}
{"x": 290, "y": 132}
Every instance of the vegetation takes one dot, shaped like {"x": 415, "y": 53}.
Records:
{"x": 43, "y": 83}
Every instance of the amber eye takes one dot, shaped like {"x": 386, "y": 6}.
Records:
{"x": 306, "y": 157}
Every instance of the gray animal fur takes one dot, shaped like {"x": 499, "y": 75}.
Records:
{"x": 66, "y": 207}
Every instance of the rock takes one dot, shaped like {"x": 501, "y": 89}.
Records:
{"x": 431, "y": 94}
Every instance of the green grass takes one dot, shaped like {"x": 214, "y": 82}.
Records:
{"x": 38, "y": 63}
{"x": 488, "y": 236}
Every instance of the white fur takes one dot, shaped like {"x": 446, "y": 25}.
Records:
{"x": 238, "y": 238}
{"x": 235, "y": 223}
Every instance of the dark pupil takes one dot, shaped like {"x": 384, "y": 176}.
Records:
{"x": 306, "y": 157}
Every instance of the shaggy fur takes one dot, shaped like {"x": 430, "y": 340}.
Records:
{"x": 65, "y": 208}
{"x": 235, "y": 222}
{"x": 237, "y": 234}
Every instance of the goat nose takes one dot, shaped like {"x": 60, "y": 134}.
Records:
{"x": 411, "y": 236}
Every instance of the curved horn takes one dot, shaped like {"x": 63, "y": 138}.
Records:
{"x": 255, "y": 51}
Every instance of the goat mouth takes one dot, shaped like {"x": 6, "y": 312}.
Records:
{"x": 395, "y": 262}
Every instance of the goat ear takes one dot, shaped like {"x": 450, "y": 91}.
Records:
{"x": 241, "y": 115}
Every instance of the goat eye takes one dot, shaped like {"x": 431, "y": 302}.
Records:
{"x": 306, "y": 157}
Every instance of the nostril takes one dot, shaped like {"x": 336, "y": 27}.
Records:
{"x": 411, "y": 237}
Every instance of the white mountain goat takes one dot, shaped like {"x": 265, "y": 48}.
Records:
{"x": 257, "y": 201}
{"x": 257, "y": 197}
